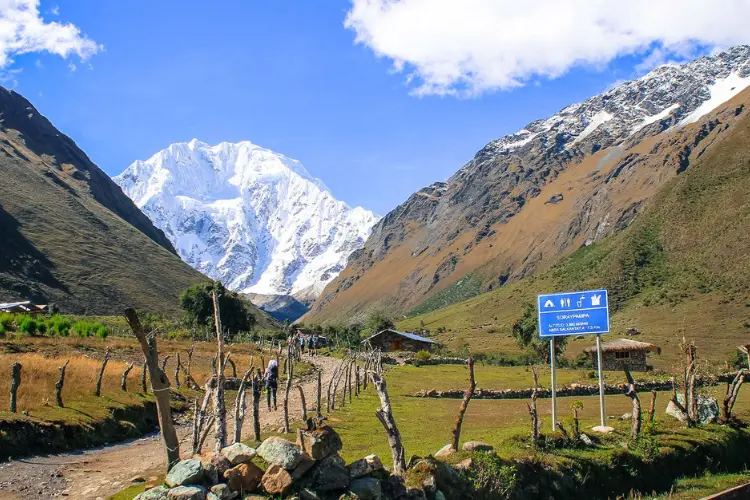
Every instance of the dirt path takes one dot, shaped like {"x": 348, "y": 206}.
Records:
{"x": 101, "y": 472}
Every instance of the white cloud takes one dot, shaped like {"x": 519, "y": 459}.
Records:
{"x": 22, "y": 31}
{"x": 467, "y": 47}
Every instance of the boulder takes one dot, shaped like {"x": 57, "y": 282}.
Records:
{"x": 439, "y": 495}
{"x": 238, "y": 453}
{"x": 445, "y": 451}
{"x": 477, "y": 446}
{"x": 223, "y": 492}
{"x": 185, "y": 472}
{"x": 157, "y": 493}
{"x": 393, "y": 487}
{"x": 366, "y": 488}
{"x": 708, "y": 409}
{"x": 277, "y": 480}
{"x": 244, "y": 478}
{"x": 603, "y": 429}
{"x": 464, "y": 465}
{"x": 279, "y": 451}
{"x": 303, "y": 466}
{"x": 221, "y": 464}
{"x": 330, "y": 474}
{"x": 365, "y": 466}
{"x": 586, "y": 440}
{"x": 212, "y": 496}
{"x": 187, "y": 493}
{"x": 319, "y": 443}
{"x": 308, "y": 494}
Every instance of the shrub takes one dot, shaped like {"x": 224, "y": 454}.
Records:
{"x": 27, "y": 325}
{"x": 2, "y": 330}
{"x": 102, "y": 332}
{"x": 6, "y": 321}
{"x": 423, "y": 356}
{"x": 491, "y": 477}
{"x": 58, "y": 326}
{"x": 82, "y": 328}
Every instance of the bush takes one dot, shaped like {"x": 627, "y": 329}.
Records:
{"x": 6, "y": 321}
{"x": 2, "y": 330}
{"x": 102, "y": 332}
{"x": 27, "y": 325}
{"x": 423, "y": 356}
{"x": 82, "y": 328}
{"x": 491, "y": 477}
{"x": 58, "y": 326}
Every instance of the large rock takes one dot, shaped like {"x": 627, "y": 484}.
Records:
{"x": 445, "y": 451}
{"x": 277, "y": 480}
{"x": 319, "y": 443}
{"x": 708, "y": 409}
{"x": 365, "y": 466}
{"x": 477, "y": 446}
{"x": 187, "y": 493}
{"x": 223, "y": 492}
{"x": 330, "y": 474}
{"x": 304, "y": 465}
{"x": 279, "y": 451}
{"x": 239, "y": 453}
{"x": 185, "y": 472}
{"x": 157, "y": 493}
{"x": 366, "y": 488}
{"x": 244, "y": 478}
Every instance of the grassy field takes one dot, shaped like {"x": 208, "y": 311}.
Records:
{"x": 41, "y": 357}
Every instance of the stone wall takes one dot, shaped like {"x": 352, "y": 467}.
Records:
{"x": 636, "y": 361}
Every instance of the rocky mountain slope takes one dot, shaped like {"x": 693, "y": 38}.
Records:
{"x": 682, "y": 267}
{"x": 68, "y": 234}
{"x": 531, "y": 197}
{"x": 252, "y": 218}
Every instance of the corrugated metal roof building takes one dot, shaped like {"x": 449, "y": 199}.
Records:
{"x": 390, "y": 340}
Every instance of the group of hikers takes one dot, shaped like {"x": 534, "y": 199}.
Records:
{"x": 271, "y": 376}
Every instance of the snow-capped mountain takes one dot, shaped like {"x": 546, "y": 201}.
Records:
{"x": 684, "y": 92}
{"x": 245, "y": 215}
{"x": 487, "y": 225}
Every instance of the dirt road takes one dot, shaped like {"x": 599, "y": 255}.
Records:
{"x": 101, "y": 472}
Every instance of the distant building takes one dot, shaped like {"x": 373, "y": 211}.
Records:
{"x": 619, "y": 352}
{"x": 23, "y": 308}
{"x": 393, "y": 340}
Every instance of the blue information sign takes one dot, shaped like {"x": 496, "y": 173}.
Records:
{"x": 574, "y": 313}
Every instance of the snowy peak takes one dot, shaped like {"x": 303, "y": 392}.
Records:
{"x": 255, "y": 219}
{"x": 671, "y": 94}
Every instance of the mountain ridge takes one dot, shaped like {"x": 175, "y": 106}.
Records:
{"x": 476, "y": 230}
{"x": 250, "y": 217}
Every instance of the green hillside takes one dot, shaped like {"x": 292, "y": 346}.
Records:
{"x": 683, "y": 266}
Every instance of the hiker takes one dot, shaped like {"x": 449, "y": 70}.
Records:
{"x": 314, "y": 344}
{"x": 272, "y": 382}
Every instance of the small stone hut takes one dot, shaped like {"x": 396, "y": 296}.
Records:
{"x": 26, "y": 307}
{"x": 392, "y": 340}
{"x": 620, "y": 352}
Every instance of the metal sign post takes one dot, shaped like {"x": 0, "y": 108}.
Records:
{"x": 602, "y": 411}
{"x": 574, "y": 313}
{"x": 554, "y": 382}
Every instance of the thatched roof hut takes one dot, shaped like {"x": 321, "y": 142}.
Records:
{"x": 619, "y": 352}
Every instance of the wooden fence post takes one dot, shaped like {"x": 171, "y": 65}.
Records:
{"x": 160, "y": 385}
{"x": 240, "y": 405}
{"x": 59, "y": 384}
{"x": 220, "y": 424}
{"x": 124, "y": 383}
{"x": 464, "y": 404}
{"x": 257, "y": 388}
{"x": 144, "y": 387}
{"x": 319, "y": 400}
{"x": 533, "y": 411}
{"x": 177, "y": 372}
{"x": 15, "y": 381}
{"x": 290, "y": 374}
{"x": 98, "y": 391}
{"x": 385, "y": 415}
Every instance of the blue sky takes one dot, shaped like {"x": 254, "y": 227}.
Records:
{"x": 288, "y": 75}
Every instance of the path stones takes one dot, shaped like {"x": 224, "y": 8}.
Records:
{"x": 238, "y": 453}
{"x": 187, "y": 493}
{"x": 185, "y": 472}
{"x": 365, "y": 466}
{"x": 279, "y": 451}
{"x": 244, "y": 478}
{"x": 319, "y": 443}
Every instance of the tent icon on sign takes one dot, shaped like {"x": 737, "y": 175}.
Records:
{"x": 549, "y": 304}
{"x": 596, "y": 300}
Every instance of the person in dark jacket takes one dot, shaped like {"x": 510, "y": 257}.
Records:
{"x": 272, "y": 382}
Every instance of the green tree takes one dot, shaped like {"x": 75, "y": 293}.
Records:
{"x": 378, "y": 321}
{"x": 197, "y": 303}
{"x": 526, "y": 332}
